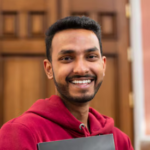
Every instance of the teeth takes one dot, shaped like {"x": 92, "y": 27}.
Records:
{"x": 81, "y": 81}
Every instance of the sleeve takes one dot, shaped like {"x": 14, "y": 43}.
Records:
{"x": 122, "y": 141}
{"x": 16, "y": 136}
{"x": 130, "y": 145}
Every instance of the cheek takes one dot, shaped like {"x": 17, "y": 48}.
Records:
{"x": 98, "y": 70}
{"x": 61, "y": 72}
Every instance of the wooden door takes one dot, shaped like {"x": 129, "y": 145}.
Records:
{"x": 113, "y": 97}
{"x": 22, "y": 50}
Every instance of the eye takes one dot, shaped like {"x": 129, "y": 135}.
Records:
{"x": 92, "y": 57}
{"x": 66, "y": 59}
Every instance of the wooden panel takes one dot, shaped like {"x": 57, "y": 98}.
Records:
{"x": 65, "y": 8}
{"x": 92, "y": 5}
{"x": 109, "y": 46}
{"x": 37, "y": 24}
{"x": 52, "y": 12}
{"x": 23, "y": 46}
{"x": 93, "y": 15}
{"x": 9, "y": 24}
{"x": 23, "y": 24}
{"x": 1, "y": 90}
{"x": 108, "y": 98}
{"x": 108, "y": 24}
{"x": 126, "y": 121}
{"x": 0, "y": 21}
{"x": 24, "y": 83}
{"x": 80, "y": 14}
{"x": 1, "y": 77}
{"x": 33, "y": 27}
{"x": 23, "y": 5}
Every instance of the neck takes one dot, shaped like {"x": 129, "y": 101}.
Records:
{"x": 79, "y": 111}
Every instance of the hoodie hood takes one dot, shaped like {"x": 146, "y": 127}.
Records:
{"x": 54, "y": 110}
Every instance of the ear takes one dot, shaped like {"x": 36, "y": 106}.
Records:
{"x": 48, "y": 68}
{"x": 104, "y": 65}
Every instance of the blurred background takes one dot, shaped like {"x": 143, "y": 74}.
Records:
{"x": 124, "y": 94}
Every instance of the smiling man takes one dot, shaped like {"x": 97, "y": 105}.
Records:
{"x": 76, "y": 64}
{"x": 77, "y": 54}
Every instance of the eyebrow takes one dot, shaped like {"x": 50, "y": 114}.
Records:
{"x": 92, "y": 49}
{"x": 66, "y": 52}
{"x": 62, "y": 52}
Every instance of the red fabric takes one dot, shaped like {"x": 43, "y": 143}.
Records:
{"x": 50, "y": 120}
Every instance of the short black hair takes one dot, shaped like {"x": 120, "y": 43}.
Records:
{"x": 71, "y": 22}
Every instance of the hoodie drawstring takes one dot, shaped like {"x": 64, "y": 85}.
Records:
{"x": 82, "y": 127}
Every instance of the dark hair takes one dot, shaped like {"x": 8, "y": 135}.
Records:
{"x": 71, "y": 22}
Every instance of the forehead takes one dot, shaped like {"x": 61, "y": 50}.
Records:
{"x": 75, "y": 39}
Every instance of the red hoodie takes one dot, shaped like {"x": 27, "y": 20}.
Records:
{"x": 50, "y": 120}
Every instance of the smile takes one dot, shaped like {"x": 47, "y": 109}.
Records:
{"x": 81, "y": 81}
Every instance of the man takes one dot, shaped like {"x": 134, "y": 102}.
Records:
{"x": 77, "y": 66}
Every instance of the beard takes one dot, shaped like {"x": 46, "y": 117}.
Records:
{"x": 65, "y": 94}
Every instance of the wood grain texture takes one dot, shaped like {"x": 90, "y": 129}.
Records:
{"x": 23, "y": 5}
{"x": 24, "y": 83}
{"x": 9, "y": 24}
{"x": 1, "y": 89}
{"x": 37, "y": 24}
{"x": 126, "y": 122}
{"x": 52, "y": 11}
{"x": 92, "y": 5}
{"x": 108, "y": 24}
{"x": 1, "y": 74}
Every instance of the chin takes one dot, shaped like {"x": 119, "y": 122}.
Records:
{"x": 80, "y": 99}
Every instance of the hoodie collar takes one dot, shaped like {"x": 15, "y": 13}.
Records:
{"x": 54, "y": 110}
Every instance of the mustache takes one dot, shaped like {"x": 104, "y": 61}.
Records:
{"x": 80, "y": 76}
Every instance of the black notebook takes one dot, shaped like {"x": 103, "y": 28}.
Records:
{"x": 99, "y": 142}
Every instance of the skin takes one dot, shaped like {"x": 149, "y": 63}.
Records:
{"x": 76, "y": 57}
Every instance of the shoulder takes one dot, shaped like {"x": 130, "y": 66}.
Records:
{"x": 16, "y": 136}
{"x": 122, "y": 141}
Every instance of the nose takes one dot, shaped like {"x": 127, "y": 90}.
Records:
{"x": 81, "y": 67}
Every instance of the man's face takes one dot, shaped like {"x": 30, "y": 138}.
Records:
{"x": 77, "y": 65}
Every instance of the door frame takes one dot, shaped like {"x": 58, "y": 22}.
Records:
{"x": 137, "y": 73}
